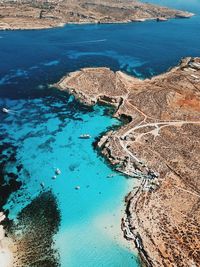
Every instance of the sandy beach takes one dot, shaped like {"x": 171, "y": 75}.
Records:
{"x": 6, "y": 257}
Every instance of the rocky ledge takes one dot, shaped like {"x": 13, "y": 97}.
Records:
{"x": 40, "y": 14}
{"x": 160, "y": 147}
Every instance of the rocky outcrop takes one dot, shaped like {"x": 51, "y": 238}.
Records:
{"x": 160, "y": 147}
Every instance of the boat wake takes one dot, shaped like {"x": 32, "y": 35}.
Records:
{"x": 5, "y": 110}
{"x": 87, "y": 42}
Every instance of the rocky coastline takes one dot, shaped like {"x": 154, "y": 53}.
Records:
{"x": 162, "y": 212}
{"x": 153, "y": 147}
{"x": 24, "y": 15}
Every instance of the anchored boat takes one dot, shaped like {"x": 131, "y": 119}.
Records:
{"x": 5, "y": 110}
{"x": 85, "y": 136}
{"x": 58, "y": 171}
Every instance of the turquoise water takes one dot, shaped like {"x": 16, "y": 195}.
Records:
{"x": 47, "y": 131}
{"x": 43, "y": 132}
{"x": 191, "y": 5}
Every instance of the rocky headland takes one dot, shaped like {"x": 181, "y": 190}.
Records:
{"x": 41, "y": 14}
{"x": 160, "y": 146}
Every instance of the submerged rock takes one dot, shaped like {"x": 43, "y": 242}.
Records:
{"x": 33, "y": 233}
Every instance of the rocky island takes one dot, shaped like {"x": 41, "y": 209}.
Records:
{"x": 159, "y": 145}
{"x": 40, "y": 14}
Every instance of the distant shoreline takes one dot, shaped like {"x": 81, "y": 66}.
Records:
{"x": 60, "y": 25}
{"x": 43, "y": 15}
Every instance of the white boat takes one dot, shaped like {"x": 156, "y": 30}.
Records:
{"x": 5, "y": 110}
{"x": 78, "y": 187}
{"x": 85, "y": 136}
{"x": 58, "y": 171}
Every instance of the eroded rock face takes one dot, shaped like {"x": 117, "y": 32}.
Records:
{"x": 161, "y": 147}
{"x": 45, "y": 14}
{"x": 32, "y": 234}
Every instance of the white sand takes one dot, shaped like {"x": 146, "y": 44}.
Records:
{"x": 6, "y": 257}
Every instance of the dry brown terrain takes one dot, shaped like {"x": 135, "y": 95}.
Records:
{"x": 160, "y": 146}
{"x": 46, "y": 14}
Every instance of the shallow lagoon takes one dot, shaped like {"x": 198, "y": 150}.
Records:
{"x": 43, "y": 134}
{"x": 47, "y": 132}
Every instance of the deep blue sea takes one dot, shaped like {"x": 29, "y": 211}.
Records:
{"x": 42, "y": 133}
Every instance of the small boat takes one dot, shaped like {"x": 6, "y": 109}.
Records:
{"x": 78, "y": 187}
{"x": 85, "y": 136}
{"x": 111, "y": 175}
{"x": 161, "y": 19}
{"x": 5, "y": 110}
{"x": 54, "y": 177}
{"x": 58, "y": 171}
